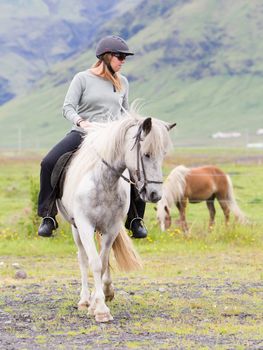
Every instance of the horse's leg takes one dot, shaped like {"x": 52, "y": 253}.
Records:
{"x": 107, "y": 241}
{"x": 182, "y": 207}
{"x": 178, "y": 221}
{"x": 108, "y": 287}
{"x": 212, "y": 211}
{"x": 223, "y": 201}
{"x": 86, "y": 233}
{"x": 83, "y": 264}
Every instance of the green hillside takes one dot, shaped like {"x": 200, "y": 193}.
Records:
{"x": 197, "y": 62}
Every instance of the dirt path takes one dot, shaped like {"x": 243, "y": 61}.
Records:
{"x": 183, "y": 311}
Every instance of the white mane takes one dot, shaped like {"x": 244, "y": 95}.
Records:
{"x": 174, "y": 186}
{"x": 107, "y": 141}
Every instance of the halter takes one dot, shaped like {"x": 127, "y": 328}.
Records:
{"x": 137, "y": 143}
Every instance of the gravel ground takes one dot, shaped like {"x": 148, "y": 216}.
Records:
{"x": 44, "y": 316}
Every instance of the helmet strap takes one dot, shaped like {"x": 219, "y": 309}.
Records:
{"x": 108, "y": 65}
{"x": 110, "y": 68}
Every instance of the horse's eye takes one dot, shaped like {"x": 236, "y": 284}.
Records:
{"x": 147, "y": 155}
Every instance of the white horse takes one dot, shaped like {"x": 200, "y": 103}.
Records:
{"x": 96, "y": 198}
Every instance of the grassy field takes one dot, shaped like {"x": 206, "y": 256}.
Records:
{"x": 203, "y": 291}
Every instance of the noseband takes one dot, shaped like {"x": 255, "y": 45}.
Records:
{"x": 145, "y": 181}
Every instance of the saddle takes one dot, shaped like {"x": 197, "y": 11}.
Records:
{"x": 59, "y": 173}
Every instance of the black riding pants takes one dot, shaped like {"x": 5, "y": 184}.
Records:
{"x": 70, "y": 142}
{"x": 136, "y": 209}
{"x": 46, "y": 203}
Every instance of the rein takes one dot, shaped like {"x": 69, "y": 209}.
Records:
{"x": 138, "y": 172}
{"x": 118, "y": 173}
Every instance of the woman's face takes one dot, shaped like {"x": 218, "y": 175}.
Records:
{"x": 117, "y": 60}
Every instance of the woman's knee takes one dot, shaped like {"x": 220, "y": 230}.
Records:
{"x": 47, "y": 163}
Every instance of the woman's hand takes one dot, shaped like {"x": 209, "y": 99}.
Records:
{"x": 84, "y": 124}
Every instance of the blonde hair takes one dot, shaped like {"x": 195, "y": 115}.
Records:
{"x": 105, "y": 72}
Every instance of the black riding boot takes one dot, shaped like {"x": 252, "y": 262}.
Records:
{"x": 47, "y": 226}
{"x": 134, "y": 220}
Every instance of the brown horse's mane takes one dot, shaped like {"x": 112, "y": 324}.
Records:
{"x": 174, "y": 186}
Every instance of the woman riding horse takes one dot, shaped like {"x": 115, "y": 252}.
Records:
{"x": 98, "y": 94}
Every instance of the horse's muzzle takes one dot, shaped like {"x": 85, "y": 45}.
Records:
{"x": 154, "y": 197}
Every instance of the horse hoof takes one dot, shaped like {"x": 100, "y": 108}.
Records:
{"x": 103, "y": 317}
{"x": 83, "y": 306}
{"x": 91, "y": 311}
{"x": 108, "y": 292}
{"x": 109, "y": 297}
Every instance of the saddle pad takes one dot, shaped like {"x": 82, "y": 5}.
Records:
{"x": 59, "y": 173}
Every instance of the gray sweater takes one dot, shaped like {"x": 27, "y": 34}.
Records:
{"x": 93, "y": 98}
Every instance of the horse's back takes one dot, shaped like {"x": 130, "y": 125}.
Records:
{"x": 221, "y": 181}
{"x": 204, "y": 182}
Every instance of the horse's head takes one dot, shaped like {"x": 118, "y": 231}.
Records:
{"x": 146, "y": 145}
{"x": 163, "y": 215}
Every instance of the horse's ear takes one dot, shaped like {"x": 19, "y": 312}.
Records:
{"x": 170, "y": 126}
{"x": 147, "y": 126}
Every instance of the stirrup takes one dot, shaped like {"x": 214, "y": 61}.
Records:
{"x": 134, "y": 219}
{"x": 52, "y": 219}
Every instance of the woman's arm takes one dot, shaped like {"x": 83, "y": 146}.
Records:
{"x": 72, "y": 99}
{"x": 125, "y": 101}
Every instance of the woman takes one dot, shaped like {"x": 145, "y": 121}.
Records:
{"x": 94, "y": 95}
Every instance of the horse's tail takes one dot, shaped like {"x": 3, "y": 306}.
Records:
{"x": 233, "y": 206}
{"x": 126, "y": 256}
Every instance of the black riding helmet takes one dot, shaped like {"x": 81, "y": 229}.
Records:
{"x": 112, "y": 43}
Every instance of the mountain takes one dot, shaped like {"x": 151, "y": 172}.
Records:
{"x": 197, "y": 62}
{"x": 38, "y": 33}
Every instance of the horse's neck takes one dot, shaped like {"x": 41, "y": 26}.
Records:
{"x": 166, "y": 197}
{"x": 93, "y": 169}
{"x": 174, "y": 186}
{"x": 172, "y": 192}
{"x": 109, "y": 176}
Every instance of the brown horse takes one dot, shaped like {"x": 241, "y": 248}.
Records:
{"x": 196, "y": 185}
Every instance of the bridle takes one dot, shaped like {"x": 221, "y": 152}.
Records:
{"x": 145, "y": 181}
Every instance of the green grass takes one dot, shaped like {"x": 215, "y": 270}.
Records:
{"x": 243, "y": 165}
{"x": 199, "y": 108}
{"x": 15, "y": 182}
